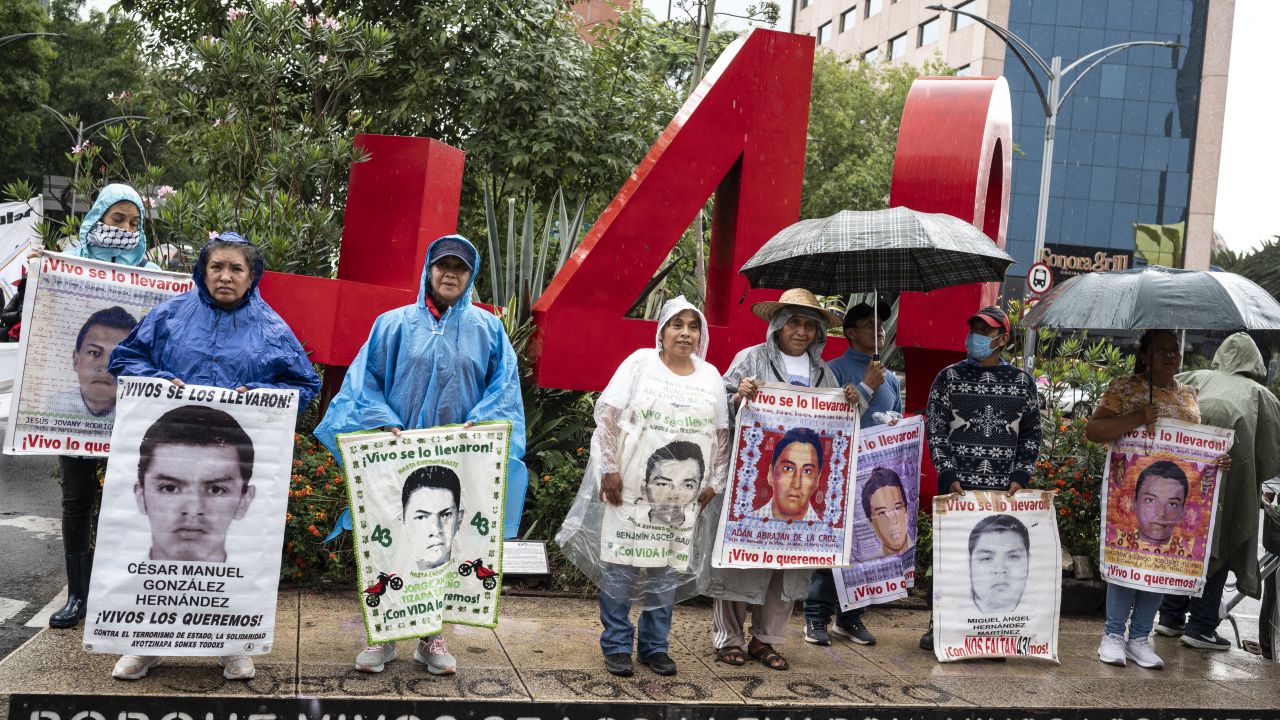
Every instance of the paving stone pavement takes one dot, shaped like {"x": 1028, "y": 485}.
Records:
{"x": 547, "y": 650}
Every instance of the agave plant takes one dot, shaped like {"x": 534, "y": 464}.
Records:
{"x": 518, "y": 276}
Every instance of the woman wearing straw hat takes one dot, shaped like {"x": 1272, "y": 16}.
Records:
{"x": 792, "y": 354}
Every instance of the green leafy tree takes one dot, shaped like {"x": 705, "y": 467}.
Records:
{"x": 1261, "y": 265}
{"x": 265, "y": 117}
{"x": 24, "y": 63}
{"x": 853, "y": 132}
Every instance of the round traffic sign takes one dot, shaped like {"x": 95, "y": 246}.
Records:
{"x": 1039, "y": 278}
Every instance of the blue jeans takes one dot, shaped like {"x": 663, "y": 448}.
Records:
{"x": 823, "y": 602}
{"x": 1137, "y": 608}
{"x": 1204, "y": 609}
{"x": 618, "y": 583}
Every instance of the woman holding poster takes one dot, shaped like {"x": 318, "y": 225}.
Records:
{"x": 1131, "y": 402}
{"x": 219, "y": 333}
{"x": 658, "y": 455}
{"x": 112, "y": 231}
{"x": 791, "y": 355}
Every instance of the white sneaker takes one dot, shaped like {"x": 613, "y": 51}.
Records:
{"x": 1111, "y": 650}
{"x": 1140, "y": 651}
{"x": 433, "y": 653}
{"x": 374, "y": 659}
{"x": 237, "y": 667}
{"x": 134, "y": 667}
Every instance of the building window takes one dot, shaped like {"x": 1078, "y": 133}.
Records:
{"x": 957, "y": 21}
{"x": 929, "y": 31}
{"x": 872, "y": 56}
{"x": 874, "y": 7}
{"x": 824, "y": 33}
{"x": 1112, "y": 85}
{"x": 804, "y": 4}
{"x": 847, "y": 18}
{"x": 898, "y": 47}
{"x": 964, "y": 71}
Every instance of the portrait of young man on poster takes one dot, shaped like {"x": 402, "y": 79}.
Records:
{"x": 794, "y": 477}
{"x": 431, "y": 510}
{"x": 999, "y": 562}
{"x": 194, "y": 467}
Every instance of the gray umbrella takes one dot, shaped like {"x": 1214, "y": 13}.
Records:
{"x": 1157, "y": 297}
{"x": 897, "y": 249}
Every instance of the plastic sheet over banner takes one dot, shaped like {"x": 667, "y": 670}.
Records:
{"x": 1160, "y": 494}
{"x": 787, "y": 500}
{"x": 997, "y": 575}
{"x": 886, "y": 499}
{"x": 192, "y": 521}
{"x": 74, "y": 312}
{"x": 427, "y": 514}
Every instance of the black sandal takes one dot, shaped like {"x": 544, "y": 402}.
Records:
{"x": 731, "y": 656}
{"x": 769, "y": 657}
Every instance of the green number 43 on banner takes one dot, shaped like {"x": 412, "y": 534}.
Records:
{"x": 480, "y": 523}
{"x": 381, "y": 535}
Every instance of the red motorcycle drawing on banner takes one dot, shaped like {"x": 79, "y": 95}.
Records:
{"x": 373, "y": 593}
{"x": 487, "y": 576}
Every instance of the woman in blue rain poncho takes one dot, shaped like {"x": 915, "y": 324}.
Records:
{"x": 112, "y": 231}
{"x": 440, "y": 361}
{"x": 220, "y": 333}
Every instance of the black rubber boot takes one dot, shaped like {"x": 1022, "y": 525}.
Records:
{"x": 79, "y": 566}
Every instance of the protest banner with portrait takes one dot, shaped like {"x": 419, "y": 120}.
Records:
{"x": 1159, "y": 492}
{"x": 192, "y": 520}
{"x": 786, "y": 503}
{"x": 882, "y": 562}
{"x": 997, "y": 575}
{"x": 74, "y": 313}
{"x": 426, "y": 508}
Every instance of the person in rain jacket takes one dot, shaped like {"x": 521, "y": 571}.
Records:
{"x": 440, "y": 361}
{"x": 790, "y": 354}
{"x": 112, "y": 231}
{"x": 1231, "y": 396}
{"x": 659, "y": 453}
{"x": 220, "y": 333}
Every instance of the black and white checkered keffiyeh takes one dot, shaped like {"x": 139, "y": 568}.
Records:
{"x": 108, "y": 236}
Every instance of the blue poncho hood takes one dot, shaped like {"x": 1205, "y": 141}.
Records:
{"x": 194, "y": 339}
{"x": 110, "y": 195}
{"x": 420, "y": 371}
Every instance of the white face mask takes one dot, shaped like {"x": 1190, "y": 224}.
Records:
{"x": 109, "y": 236}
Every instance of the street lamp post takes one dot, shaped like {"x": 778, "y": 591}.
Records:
{"x": 78, "y": 137}
{"x": 1051, "y": 98}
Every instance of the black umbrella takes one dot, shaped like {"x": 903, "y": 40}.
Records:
{"x": 1157, "y": 297}
{"x": 898, "y": 249}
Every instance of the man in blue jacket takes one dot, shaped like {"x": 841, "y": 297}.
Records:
{"x": 864, "y": 329}
{"x": 440, "y": 361}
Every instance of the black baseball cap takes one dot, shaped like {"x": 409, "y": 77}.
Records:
{"x": 863, "y": 310}
{"x": 452, "y": 246}
{"x": 992, "y": 316}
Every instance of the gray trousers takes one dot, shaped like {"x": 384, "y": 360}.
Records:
{"x": 768, "y": 621}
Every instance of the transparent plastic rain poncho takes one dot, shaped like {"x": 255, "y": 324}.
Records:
{"x": 668, "y": 437}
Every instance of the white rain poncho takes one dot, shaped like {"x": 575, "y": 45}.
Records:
{"x": 667, "y": 436}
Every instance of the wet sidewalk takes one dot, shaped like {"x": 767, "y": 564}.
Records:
{"x": 546, "y": 650}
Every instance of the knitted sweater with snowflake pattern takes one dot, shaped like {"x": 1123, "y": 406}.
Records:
{"x": 983, "y": 426}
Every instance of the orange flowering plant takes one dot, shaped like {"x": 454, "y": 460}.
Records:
{"x": 1072, "y": 373}
{"x": 317, "y": 496}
